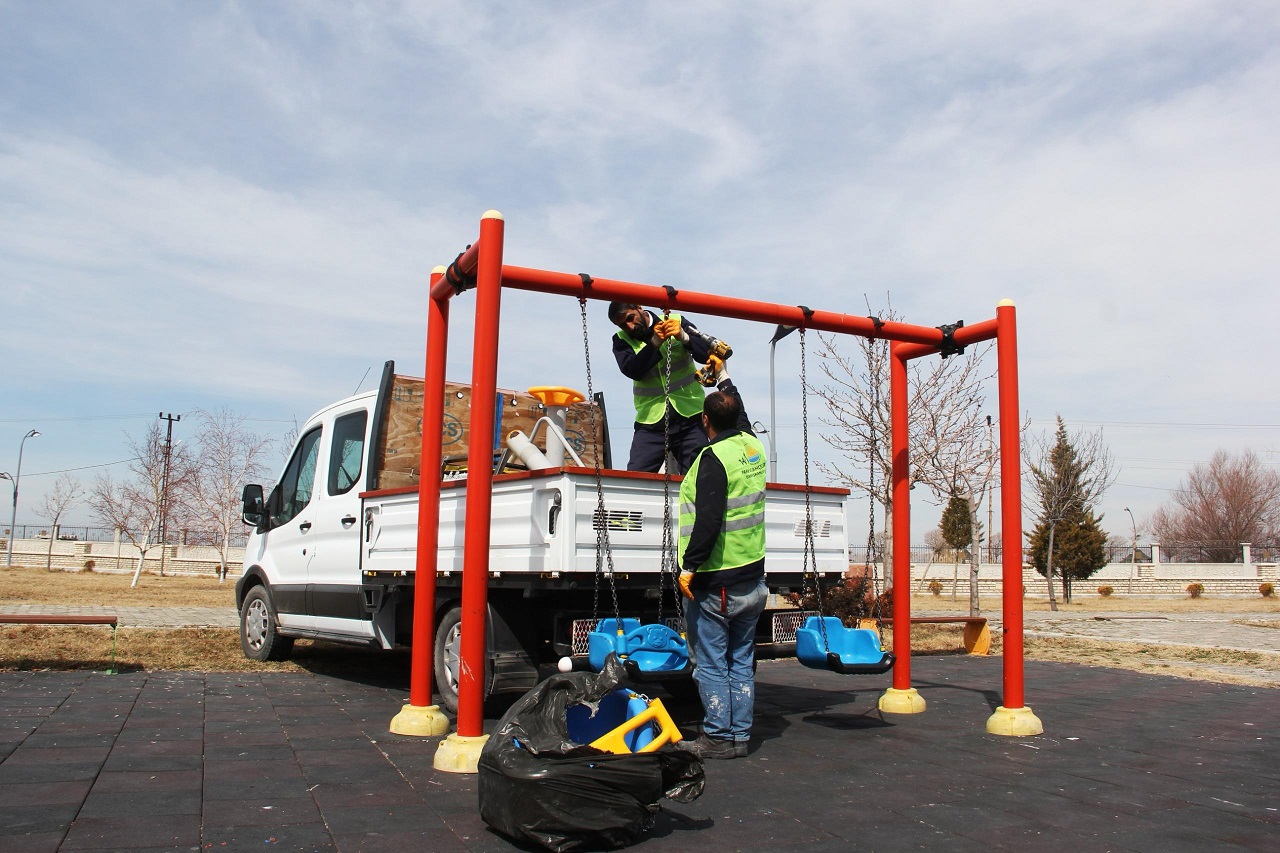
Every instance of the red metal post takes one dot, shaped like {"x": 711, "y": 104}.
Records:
{"x": 1010, "y": 502}
{"x": 479, "y": 506}
{"x": 899, "y": 447}
{"x": 424, "y": 592}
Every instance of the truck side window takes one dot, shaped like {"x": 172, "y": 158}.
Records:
{"x": 347, "y": 454}
{"x": 299, "y": 479}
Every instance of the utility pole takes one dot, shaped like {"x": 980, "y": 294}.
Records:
{"x": 991, "y": 488}
{"x": 164, "y": 483}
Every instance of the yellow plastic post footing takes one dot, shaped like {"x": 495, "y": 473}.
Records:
{"x": 895, "y": 701}
{"x": 556, "y": 395}
{"x": 420, "y": 721}
{"x": 1014, "y": 722}
{"x": 459, "y": 754}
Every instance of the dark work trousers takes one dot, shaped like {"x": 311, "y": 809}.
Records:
{"x": 687, "y": 438}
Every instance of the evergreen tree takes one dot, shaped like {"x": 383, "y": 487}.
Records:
{"x": 956, "y": 532}
{"x": 1067, "y": 478}
{"x": 1079, "y": 549}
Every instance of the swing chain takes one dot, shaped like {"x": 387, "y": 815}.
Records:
{"x": 872, "y": 557}
{"x": 668, "y": 546}
{"x": 604, "y": 551}
{"x": 810, "y": 557}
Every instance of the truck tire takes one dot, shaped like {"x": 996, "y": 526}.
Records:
{"x": 447, "y": 660}
{"x": 259, "y": 637}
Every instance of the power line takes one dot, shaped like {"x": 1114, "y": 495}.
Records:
{"x": 86, "y": 467}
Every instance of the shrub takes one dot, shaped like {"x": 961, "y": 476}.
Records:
{"x": 1195, "y": 590}
{"x": 935, "y": 587}
{"x": 1105, "y": 591}
{"x": 88, "y": 565}
{"x": 1266, "y": 590}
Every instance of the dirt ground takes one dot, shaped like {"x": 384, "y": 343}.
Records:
{"x": 40, "y": 647}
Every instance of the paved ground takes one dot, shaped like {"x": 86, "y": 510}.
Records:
{"x": 1209, "y": 630}
{"x": 187, "y": 761}
{"x": 139, "y": 617}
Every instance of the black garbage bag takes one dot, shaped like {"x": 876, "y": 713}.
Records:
{"x": 537, "y": 785}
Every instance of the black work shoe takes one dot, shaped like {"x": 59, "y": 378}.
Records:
{"x": 707, "y": 747}
{"x": 740, "y": 748}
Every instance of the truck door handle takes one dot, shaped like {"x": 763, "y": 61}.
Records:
{"x": 304, "y": 526}
{"x": 348, "y": 520}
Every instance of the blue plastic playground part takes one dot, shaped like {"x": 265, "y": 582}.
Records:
{"x": 643, "y": 648}
{"x": 851, "y": 651}
{"x": 614, "y": 710}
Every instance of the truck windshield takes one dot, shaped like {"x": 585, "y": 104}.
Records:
{"x": 299, "y": 479}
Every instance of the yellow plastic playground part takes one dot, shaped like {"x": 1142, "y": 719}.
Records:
{"x": 616, "y": 742}
{"x": 556, "y": 395}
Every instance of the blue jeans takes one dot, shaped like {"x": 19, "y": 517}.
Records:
{"x": 722, "y": 636}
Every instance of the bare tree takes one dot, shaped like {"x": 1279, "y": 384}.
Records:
{"x": 1067, "y": 475}
{"x": 230, "y": 455}
{"x": 1228, "y": 500}
{"x": 67, "y": 491}
{"x": 133, "y": 506}
{"x": 944, "y": 411}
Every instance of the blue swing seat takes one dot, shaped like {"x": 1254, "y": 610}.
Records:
{"x": 643, "y": 649}
{"x": 849, "y": 651}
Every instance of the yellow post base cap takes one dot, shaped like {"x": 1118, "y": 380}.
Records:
{"x": 895, "y": 701}
{"x": 420, "y": 721}
{"x": 459, "y": 754}
{"x": 1014, "y": 722}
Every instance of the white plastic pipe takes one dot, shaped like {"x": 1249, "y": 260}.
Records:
{"x": 526, "y": 452}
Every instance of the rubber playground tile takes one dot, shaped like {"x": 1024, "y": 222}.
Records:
{"x": 248, "y": 787}
{"x": 111, "y": 781}
{"x": 239, "y": 771}
{"x": 35, "y": 818}
{"x": 40, "y": 842}
{"x": 131, "y": 833}
{"x": 435, "y": 840}
{"x": 249, "y": 752}
{"x": 125, "y": 759}
{"x": 339, "y": 796}
{"x": 264, "y": 811}
{"x": 34, "y": 793}
{"x": 233, "y": 839}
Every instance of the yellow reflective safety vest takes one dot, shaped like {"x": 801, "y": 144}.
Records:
{"x": 685, "y": 392}
{"x": 741, "y": 539}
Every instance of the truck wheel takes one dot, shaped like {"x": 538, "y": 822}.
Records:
{"x": 259, "y": 637}
{"x": 447, "y": 661}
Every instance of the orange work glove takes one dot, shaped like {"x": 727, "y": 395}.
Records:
{"x": 686, "y": 578}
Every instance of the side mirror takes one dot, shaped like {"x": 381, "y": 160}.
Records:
{"x": 254, "y": 512}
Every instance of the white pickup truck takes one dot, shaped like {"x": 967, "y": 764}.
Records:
{"x": 333, "y": 551}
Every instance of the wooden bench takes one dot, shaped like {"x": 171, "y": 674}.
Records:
{"x": 66, "y": 619}
{"x": 977, "y": 636}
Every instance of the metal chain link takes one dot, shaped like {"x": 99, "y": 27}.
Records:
{"x": 810, "y": 556}
{"x": 668, "y": 546}
{"x": 604, "y": 553}
{"x": 872, "y": 561}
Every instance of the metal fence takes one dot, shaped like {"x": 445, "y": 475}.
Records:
{"x": 80, "y": 533}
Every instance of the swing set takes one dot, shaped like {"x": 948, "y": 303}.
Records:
{"x": 480, "y": 267}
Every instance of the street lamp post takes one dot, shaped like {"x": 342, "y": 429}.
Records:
{"x": 780, "y": 333}
{"x": 1133, "y": 554}
{"x": 13, "y": 519}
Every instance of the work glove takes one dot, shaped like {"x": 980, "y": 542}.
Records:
{"x": 675, "y": 330}
{"x": 686, "y": 578}
{"x": 661, "y": 330}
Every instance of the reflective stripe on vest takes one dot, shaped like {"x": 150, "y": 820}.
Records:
{"x": 647, "y": 393}
{"x": 741, "y": 539}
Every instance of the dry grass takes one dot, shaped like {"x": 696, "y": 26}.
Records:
{"x": 38, "y": 647}
{"x": 218, "y": 650}
{"x": 41, "y": 586}
{"x": 1097, "y": 604}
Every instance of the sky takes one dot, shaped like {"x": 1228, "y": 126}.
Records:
{"x": 237, "y": 205}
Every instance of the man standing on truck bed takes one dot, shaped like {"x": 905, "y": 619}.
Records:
{"x": 643, "y": 343}
{"x": 721, "y": 556}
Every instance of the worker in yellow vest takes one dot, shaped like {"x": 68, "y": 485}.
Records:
{"x": 641, "y": 346}
{"x": 721, "y": 558}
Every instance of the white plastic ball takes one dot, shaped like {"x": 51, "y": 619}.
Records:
{"x": 566, "y": 664}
